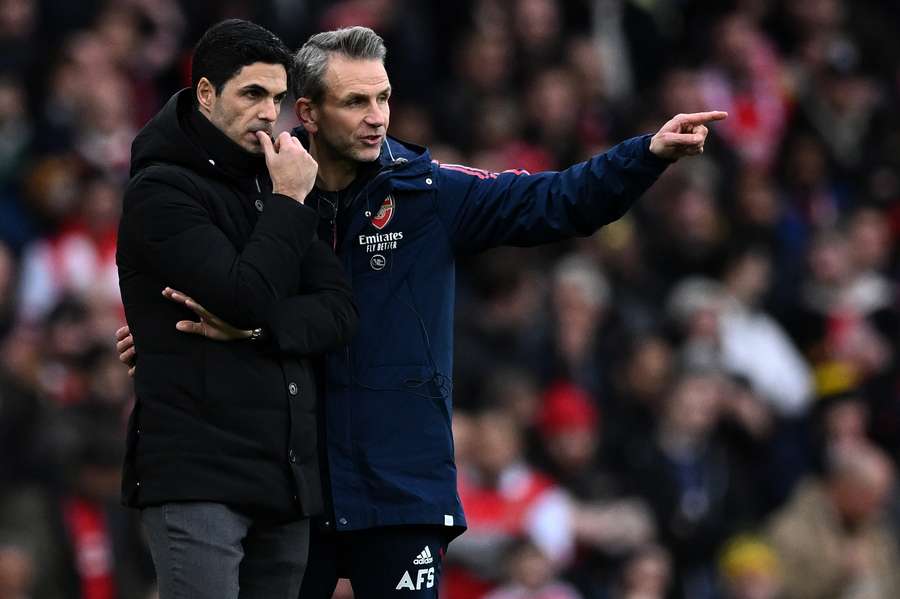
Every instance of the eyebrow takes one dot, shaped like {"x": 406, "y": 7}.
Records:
{"x": 255, "y": 87}
{"x": 358, "y": 95}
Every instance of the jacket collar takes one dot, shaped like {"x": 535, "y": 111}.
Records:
{"x": 403, "y": 167}
{"x": 225, "y": 154}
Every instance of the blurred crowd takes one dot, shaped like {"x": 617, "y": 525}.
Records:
{"x": 702, "y": 401}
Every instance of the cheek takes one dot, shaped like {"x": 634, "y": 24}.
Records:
{"x": 229, "y": 116}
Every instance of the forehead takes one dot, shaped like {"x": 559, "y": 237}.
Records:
{"x": 348, "y": 75}
{"x": 272, "y": 77}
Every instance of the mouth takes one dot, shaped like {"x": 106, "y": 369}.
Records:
{"x": 371, "y": 140}
{"x": 252, "y": 133}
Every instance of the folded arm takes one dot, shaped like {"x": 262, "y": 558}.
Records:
{"x": 166, "y": 230}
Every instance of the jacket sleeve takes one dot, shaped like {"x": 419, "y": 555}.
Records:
{"x": 483, "y": 209}
{"x": 176, "y": 239}
{"x": 324, "y": 316}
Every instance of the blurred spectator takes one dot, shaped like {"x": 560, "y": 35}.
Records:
{"x": 810, "y": 189}
{"x": 871, "y": 243}
{"x": 641, "y": 383}
{"x": 69, "y": 343}
{"x": 841, "y": 419}
{"x": 845, "y": 318}
{"x": 18, "y": 46}
{"x": 605, "y": 521}
{"x": 50, "y": 188}
{"x": 762, "y": 219}
{"x": 583, "y": 332}
{"x": 686, "y": 476}
{"x": 553, "y": 115}
{"x": 646, "y": 574}
{"x": 831, "y": 538}
{"x": 745, "y": 80}
{"x": 537, "y": 26}
{"x": 81, "y": 259}
{"x": 723, "y": 328}
{"x": 500, "y": 322}
{"x": 686, "y": 226}
{"x": 569, "y": 425}
{"x": 635, "y": 287}
{"x": 105, "y": 129}
{"x": 516, "y": 392}
{"x": 750, "y": 570}
{"x": 505, "y": 499}
{"x": 530, "y": 575}
{"x": 599, "y": 111}
{"x": 484, "y": 66}
{"x": 500, "y": 125}
{"x": 842, "y": 111}
{"x": 753, "y": 343}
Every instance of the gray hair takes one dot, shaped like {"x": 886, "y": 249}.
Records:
{"x": 359, "y": 43}
{"x": 692, "y": 295}
{"x": 584, "y": 274}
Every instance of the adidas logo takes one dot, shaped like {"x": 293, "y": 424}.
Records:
{"x": 423, "y": 558}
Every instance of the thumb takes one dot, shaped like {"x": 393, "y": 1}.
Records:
{"x": 266, "y": 142}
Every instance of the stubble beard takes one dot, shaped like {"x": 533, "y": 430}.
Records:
{"x": 344, "y": 151}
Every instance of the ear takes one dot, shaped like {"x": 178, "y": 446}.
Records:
{"x": 206, "y": 94}
{"x": 307, "y": 114}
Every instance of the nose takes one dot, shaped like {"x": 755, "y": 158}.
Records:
{"x": 375, "y": 117}
{"x": 268, "y": 111}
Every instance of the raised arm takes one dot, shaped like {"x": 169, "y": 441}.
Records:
{"x": 482, "y": 209}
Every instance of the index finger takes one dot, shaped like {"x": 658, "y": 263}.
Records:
{"x": 698, "y": 118}
{"x": 122, "y": 333}
{"x": 266, "y": 142}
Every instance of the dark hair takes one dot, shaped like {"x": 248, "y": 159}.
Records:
{"x": 229, "y": 46}
{"x": 360, "y": 43}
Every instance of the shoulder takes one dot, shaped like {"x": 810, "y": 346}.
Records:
{"x": 166, "y": 174}
{"x": 166, "y": 180}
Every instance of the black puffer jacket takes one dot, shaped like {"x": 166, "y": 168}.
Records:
{"x": 230, "y": 422}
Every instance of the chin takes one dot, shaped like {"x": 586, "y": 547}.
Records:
{"x": 368, "y": 155}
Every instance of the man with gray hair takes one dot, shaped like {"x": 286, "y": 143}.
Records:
{"x": 397, "y": 220}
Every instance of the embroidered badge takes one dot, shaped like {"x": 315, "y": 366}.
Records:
{"x": 385, "y": 213}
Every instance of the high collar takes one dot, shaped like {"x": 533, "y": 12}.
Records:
{"x": 229, "y": 157}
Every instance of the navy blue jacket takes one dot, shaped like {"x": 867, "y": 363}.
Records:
{"x": 388, "y": 406}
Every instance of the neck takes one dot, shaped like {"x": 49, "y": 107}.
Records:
{"x": 335, "y": 173}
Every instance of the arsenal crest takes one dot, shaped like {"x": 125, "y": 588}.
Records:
{"x": 384, "y": 213}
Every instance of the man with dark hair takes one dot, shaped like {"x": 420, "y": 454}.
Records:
{"x": 222, "y": 449}
{"x": 397, "y": 220}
